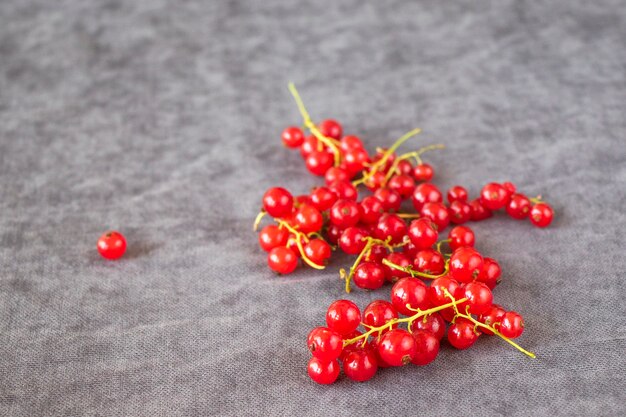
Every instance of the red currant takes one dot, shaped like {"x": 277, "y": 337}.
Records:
{"x": 397, "y": 347}
{"x": 479, "y": 298}
{"x": 355, "y": 160}
{"x": 317, "y": 251}
{"x": 379, "y": 312}
{"x": 352, "y": 240}
{"x": 344, "y": 213}
{"x": 272, "y": 236}
{"x": 318, "y": 162}
{"x": 491, "y": 317}
{"x": 111, "y": 245}
{"x": 460, "y": 212}
{"x": 426, "y": 348}
{"x": 375, "y": 181}
{"x": 390, "y": 225}
{"x": 409, "y": 292}
{"x": 426, "y": 193}
{"x": 436, "y": 293}
{"x": 283, "y": 260}
{"x": 343, "y": 316}
{"x": 461, "y": 333}
{"x": 457, "y": 193}
{"x": 350, "y": 143}
{"x": 432, "y": 323}
{"x": 391, "y": 200}
{"x": 333, "y": 233}
{"x": 369, "y": 276}
{"x": 308, "y": 219}
{"x": 479, "y": 212}
{"x": 336, "y": 174}
{"x": 325, "y": 344}
{"x": 309, "y": 145}
{"x": 511, "y": 325}
{"x": 490, "y": 275}
{"x": 494, "y": 196}
{"x": 292, "y": 137}
{"x": 423, "y": 233}
{"x": 518, "y": 207}
{"x": 461, "y": 236}
{"x": 360, "y": 365}
{"x": 509, "y": 187}
{"x": 277, "y": 202}
{"x": 400, "y": 259}
{"x": 423, "y": 172}
{"x": 402, "y": 184}
{"x": 322, "y": 198}
{"x": 331, "y": 129}
{"x": 370, "y": 209}
{"x": 376, "y": 254}
{"x": 404, "y": 167}
{"x": 438, "y": 213}
{"x": 344, "y": 190}
{"x": 465, "y": 264}
{"x": 429, "y": 261}
{"x": 323, "y": 372}
{"x": 541, "y": 215}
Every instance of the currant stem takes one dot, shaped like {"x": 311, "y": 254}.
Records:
{"x": 299, "y": 237}
{"x": 415, "y": 154}
{"x": 414, "y": 273}
{"x": 408, "y": 215}
{"x": 258, "y": 219}
{"x": 368, "y": 246}
{"x": 440, "y": 243}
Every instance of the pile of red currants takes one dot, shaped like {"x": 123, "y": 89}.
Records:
{"x": 403, "y": 248}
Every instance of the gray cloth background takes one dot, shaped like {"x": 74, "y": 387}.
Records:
{"x": 162, "y": 119}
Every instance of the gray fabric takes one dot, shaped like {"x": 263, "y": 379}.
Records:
{"x": 162, "y": 119}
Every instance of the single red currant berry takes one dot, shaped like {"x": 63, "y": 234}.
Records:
{"x": 379, "y": 312}
{"x": 282, "y": 260}
{"x": 465, "y": 264}
{"x": 509, "y": 187}
{"x": 518, "y": 207}
{"x": 390, "y": 225}
{"x": 461, "y": 333}
{"x": 494, "y": 196}
{"x": 479, "y": 212}
{"x": 426, "y": 193}
{"x": 479, "y": 297}
{"x": 457, "y": 193}
{"x": 322, "y": 198}
{"x": 400, "y": 259}
{"x": 460, "y": 212}
{"x": 352, "y": 240}
{"x": 278, "y": 202}
{"x": 292, "y": 244}
{"x": 376, "y": 254}
{"x": 409, "y": 294}
{"x": 343, "y": 316}
{"x": 432, "y": 323}
{"x": 389, "y": 159}
{"x": 511, "y": 325}
{"x": 344, "y": 213}
{"x": 111, "y": 245}
{"x": 491, "y": 317}
{"x": 350, "y": 143}
{"x": 353, "y": 346}
{"x": 370, "y": 209}
{"x": 410, "y": 250}
{"x": 397, "y": 347}
{"x": 404, "y": 167}
{"x": 402, "y": 184}
{"x": 309, "y": 145}
{"x": 300, "y": 200}
{"x": 390, "y": 199}
{"x": 429, "y": 261}
{"x": 344, "y": 190}
{"x": 426, "y": 347}
{"x": 490, "y": 275}
{"x": 461, "y": 236}
{"x": 318, "y": 162}
{"x": 375, "y": 181}
{"x": 333, "y": 233}
{"x": 317, "y": 251}
{"x": 323, "y": 372}
{"x": 336, "y": 174}
{"x": 272, "y": 236}
{"x": 436, "y": 293}
{"x": 309, "y": 219}
{"x": 373, "y": 346}
{"x": 369, "y": 276}
{"x": 325, "y": 344}
{"x": 292, "y": 137}
{"x": 355, "y": 160}
{"x": 423, "y": 172}
{"x": 436, "y": 212}
{"x": 360, "y": 365}
{"x": 331, "y": 129}
{"x": 541, "y": 215}
{"x": 423, "y": 233}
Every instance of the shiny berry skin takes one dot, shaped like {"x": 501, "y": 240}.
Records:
{"x": 390, "y": 199}
{"x": 308, "y": 219}
{"x": 492, "y": 316}
{"x": 479, "y": 212}
{"x": 511, "y": 325}
{"x": 398, "y": 258}
{"x": 360, "y": 365}
{"x": 426, "y": 347}
{"x": 344, "y": 190}
{"x": 461, "y": 333}
{"x": 379, "y": 312}
{"x": 111, "y": 245}
{"x": 404, "y": 167}
{"x": 369, "y": 276}
{"x": 278, "y": 202}
{"x": 541, "y": 215}
{"x": 457, "y": 193}
{"x": 380, "y": 154}
{"x": 402, "y": 184}
{"x": 322, "y": 372}
{"x": 432, "y": 323}
{"x": 344, "y": 213}
{"x": 425, "y": 193}
{"x": 343, "y": 317}
{"x": 353, "y": 346}
{"x": 397, "y": 347}
{"x": 479, "y": 297}
{"x": 423, "y": 233}
{"x": 309, "y": 145}
{"x": 490, "y": 275}
{"x": 282, "y": 260}
{"x": 494, "y": 196}
{"x": 370, "y": 209}
{"x": 322, "y": 198}
{"x": 292, "y": 244}
{"x": 461, "y": 236}
{"x": 354, "y": 161}
{"x": 350, "y": 143}
{"x": 410, "y": 250}
{"x": 300, "y": 200}
{"x": 390, "y": 225}
{"x": 333, "y": 233}
{"x": 423, "y": 172}
{"x": 509, "y": 187}
{"x": 465, "y": 264}
{"x": 375, "y": 181}
{"x": 292, "y": 137}
{"x": 518, "y": 207}
{"x": 376, "y": 254}
{"x": 272, "y": 236}
{"x": 336, "y": 174}
{"x": 317, "y": 251}
{"x": 373, "y": 346}
{"x": 325, "y": 344}
{"x": 331, "y": 129}
{"x": 352, "y": 240}
{"x": 436, "y": 293}
{"x": 459, "y": 212}
{"x": 411, "y": 291}
{"x": 318, "y": 162}
{"x": 436, "y": 212}
{"x": 429, "y": 261}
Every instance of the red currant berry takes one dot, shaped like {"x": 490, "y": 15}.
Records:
{"x": 478, "y": 211}
{"x": 278, "y": 202}
{"x": 375, "y": 181}
{"x": 272, "y": 236}
{"x": 461, "y": 236}
{"x": 404, "y": 167}
{"x": 380, "y": 154}
{"x": 370, "y": 209}
{"x": 323, "y": 372}
{"x": 423, "y": 172}
{"x": 292, "y": 244}
{"x": 309, "y": 219}
{"x": 490, "y": 275}
{"x": 317, "y": 251}
{"x": 457, "y": 193}
{"x": 336, "y": 174}
{"x": 518, "y": 207}
{"x": 491, "y": 317}
{"x": 390, "y": 225}
{"x": 397, "y": 347}
{"x": 300, "y": 200}
{"x": 379, "y": 312}
{"x": 322, "y": 198}
{"x": 432, "y": 323}
{"x": 391, "y": 200}
{"x": 360, "y": 365}
{"x": 429, "y": 261}
{"x": 409, "y": 293}
{"x": 343, "y": 316}
{"x": 292, "y": 137}
{"x": 325, "y": 344}
{"x": 479, "y": 297}
{"x": 426, "y": 193}
{"x": 541, "y": 215}
{"x": 400, "y": 259}
{"x": 465, "y": 264}
{"x": 402, "y": 184}
{"x": 331, "y": 129}
{"x": 353, "y": 346}
{"x": 373, "y": 346}
{"x": 355, "y": 160}
{"x": 318, "y": 162}
{"x": 461, "y": 333}
{"x": 376, "y": 254}
{"x": 344, "y": 190}
{"x": 282, "y": 260}
{"x": 438, "y": 213}
{"x": 333, "y": 233}
{"x": 460, "y": 212}
{"x": 344, "y": 213}
{"x": 350, "y": 143}
{"x": 494, "y": 196}
{"x": 509, "y": 187}
{"x": 410, "y": 250}
{"x": 426, "y": 347}
{"x": 369, "y": 276}
{"x": 111, "y": 245}
{"x": 352, "y": 240}
{"x": 309, "y": 145}
{"x": 511, "y": 325}
{"x": 423, "y": 233}
{"x": 436, "y": 293}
